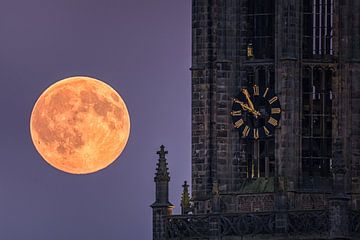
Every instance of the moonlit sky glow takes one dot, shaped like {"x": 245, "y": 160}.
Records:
{"x": 143, "y": 50}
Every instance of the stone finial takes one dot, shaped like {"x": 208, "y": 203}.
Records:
{"x": 162, "y": 152}
{"x": 162, "y": 173}
{"x": 185, "y": 199}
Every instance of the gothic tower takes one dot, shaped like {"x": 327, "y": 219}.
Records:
{"x": 161, "y": 207}
{"x": 302, "y": 178}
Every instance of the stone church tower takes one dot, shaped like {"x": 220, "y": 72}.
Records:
{"x": 302, "y": 180}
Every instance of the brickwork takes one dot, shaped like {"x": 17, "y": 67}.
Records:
{"x": 287, "y": 74}
{"x": 255, "y": 203}
{"x": 308, "y": 201}
{"x": 355, "y": 123}
{"x": 354, "y": 79}
{"x": 202, "y": 84}
{"x": 214, "y": 71}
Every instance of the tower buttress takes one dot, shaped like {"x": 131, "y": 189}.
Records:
{"x": 339, "y": 201}
{"x": 161, "y": 207}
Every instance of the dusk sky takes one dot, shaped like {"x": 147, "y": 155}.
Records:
{"x": 142, "y": 49}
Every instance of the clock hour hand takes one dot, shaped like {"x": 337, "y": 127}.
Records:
{"x": 246, "y": 107}
{"x": 247, "y": 95}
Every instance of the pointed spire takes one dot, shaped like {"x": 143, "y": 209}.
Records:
{"x": 162, "y": 208}
{"x": 185, "y": 199}
{"x": 162, "y": 173}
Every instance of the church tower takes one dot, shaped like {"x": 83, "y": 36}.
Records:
{"x": 275, "y": 121}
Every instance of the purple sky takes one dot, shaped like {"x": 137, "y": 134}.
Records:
{"x": 141, "y": 48}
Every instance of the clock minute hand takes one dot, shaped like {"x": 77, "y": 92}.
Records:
{"x": 248, "y": 99}
{"x": 245, "y": 106}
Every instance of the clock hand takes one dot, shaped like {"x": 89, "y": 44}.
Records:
{"x": 246, "y": 107}
{"x": 245, "y": 91}
{"x": 256, "y": 113}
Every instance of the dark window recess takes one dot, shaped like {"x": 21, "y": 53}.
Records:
{"x": 261, "y": 75}
{"x": 260, "y": 29}
{"x": 316, "y": 121}
{"x": 317, "y": 27}
{"x": 250, "y": 77}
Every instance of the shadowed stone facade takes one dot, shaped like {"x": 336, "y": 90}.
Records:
{"x": 304, "y": 182}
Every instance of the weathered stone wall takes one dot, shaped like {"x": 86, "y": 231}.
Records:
{"x": 347, "y": 104}
{"x": 226, "y": 88}
{"x": 354, "y": 82}
{"x": 202, "y": 83}
{"x": 214, "y": 84}
{"x": 287, "y": 74}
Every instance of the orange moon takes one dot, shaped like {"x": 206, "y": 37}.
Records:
{"x": 80, "y": 125}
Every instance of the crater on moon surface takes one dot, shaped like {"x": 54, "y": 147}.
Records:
{"x": 80, "y": 125}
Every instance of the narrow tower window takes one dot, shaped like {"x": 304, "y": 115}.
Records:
{"x": 318, "y": 27}
{"x": 260, "y": 29}
{"x": 316, "y": 121}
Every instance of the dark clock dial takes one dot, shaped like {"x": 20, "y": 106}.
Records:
{"x": 256, "y": 112}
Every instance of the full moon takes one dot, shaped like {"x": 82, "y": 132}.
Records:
{"x": 80, "y": 125}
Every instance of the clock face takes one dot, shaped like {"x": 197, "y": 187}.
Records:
{"x": 256, "y": 112}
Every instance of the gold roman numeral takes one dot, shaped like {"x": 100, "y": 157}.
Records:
{"x": 239, "y": 123}
{"x": 272, "y": 121}
{"x": 271, "y": 101}
{"x": 256, "y": 90}
{"x": 267, "y": 132}
{"x": 256, "y": 133}
{"x": 266, "y": 91}
{"x": 275, "y": 110}
{"x": 235, "y": 113}
{"x": 246, "y": 131}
